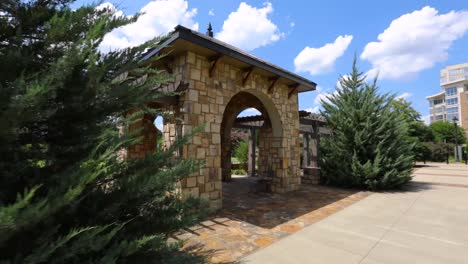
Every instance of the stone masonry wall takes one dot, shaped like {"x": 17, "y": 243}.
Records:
{"x": 204, "y": 103}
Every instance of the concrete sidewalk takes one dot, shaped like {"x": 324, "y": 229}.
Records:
{"x": 427, "y": 223}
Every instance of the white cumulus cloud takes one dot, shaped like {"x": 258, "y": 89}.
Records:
{"x": 159, "y": 17}
{"x": 405, "y": 95}
{"x": 427, "y": 119}
{"x": 314, "y": 109}
{"x": 323, "y": 97}
{"x": 252, "y": 111}
{"x": 321, "y": 60}
{"x": 414, "y": 42}
{"x": 211, "y": 12}
{"x": 249, "y": 27}
{"x": 110, "y": 7}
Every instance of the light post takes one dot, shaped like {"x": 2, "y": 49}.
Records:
{"x": 457, "y": 158}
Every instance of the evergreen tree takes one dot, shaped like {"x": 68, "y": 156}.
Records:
{"x": 65, "y": 194}
{"x": 367, "y": 147}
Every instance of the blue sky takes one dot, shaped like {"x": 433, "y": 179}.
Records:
{"x": 318, "y": 39}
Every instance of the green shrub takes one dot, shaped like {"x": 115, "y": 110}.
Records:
{"x": 439, "y": 151}
{"x": 241, "y": 153}
{"x": 238, "y": 172}
{"x": 367, "y": 147}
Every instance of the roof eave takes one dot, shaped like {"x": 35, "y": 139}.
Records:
{"x": 187, "y": 34}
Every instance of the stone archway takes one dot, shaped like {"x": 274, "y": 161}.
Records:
{"x": 270, "y": 134}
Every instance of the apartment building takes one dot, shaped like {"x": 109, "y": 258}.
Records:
{"x": 452, "y": 101}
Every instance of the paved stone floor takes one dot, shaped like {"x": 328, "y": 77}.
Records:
{"x": 426, "y": 222}
{"x": 250, "y": 221}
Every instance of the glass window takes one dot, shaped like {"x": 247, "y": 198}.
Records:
{"x": 439, "y": 110}
{"x": 451, "y": 116}
{"x": 439, "y": 117}
{"x": 451, "y": 91}
{"x": 452, "y": 101}
{"x": 453, "y": 72}
{"x": 452, "y": 110}
{"x": 438, "y": 101}
{"x": 465, "y": 69}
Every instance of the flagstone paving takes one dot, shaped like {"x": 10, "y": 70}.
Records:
{"x": 250, "y": 221}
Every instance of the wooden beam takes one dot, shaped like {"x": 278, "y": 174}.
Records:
{"x": 214, "y": 61}
{"x": 292, "y": 89}
{"x": 272, "y": 84}
{"x": 164, "y": 101}
{"x": 167, "y": 67}
{"x": 247, "y": 72}
{"x": 182, "y": 86}
{"x": 165, "y": 63}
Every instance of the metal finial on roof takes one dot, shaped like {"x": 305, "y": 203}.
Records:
{"x": 209, "y": 32}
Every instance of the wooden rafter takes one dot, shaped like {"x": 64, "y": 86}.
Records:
{"x": 167, "y": 67}
{"x": 165, "y": 62}
{"x": 292, "y": 89}
{"x": 182, "y": 86}
{"x": 247, "y": 73}
{"x": 273, "y": 80}
{"x": 214, "y": 61}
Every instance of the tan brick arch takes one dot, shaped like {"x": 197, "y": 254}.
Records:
{"x": 217, "y": 82}
{"x": 272, "y": 128}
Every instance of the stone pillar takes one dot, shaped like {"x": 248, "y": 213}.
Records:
{"x": 147, "y": 136}
{"x": 252, "y": 148}
{"x": 306, "y": 151}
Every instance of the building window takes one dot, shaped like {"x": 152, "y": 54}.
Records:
{"x": 439, "y": 117}
{"x": 454, "y": 72}
{"x": 451, "y": 91}
{"x": 451, "y": 116}
{"x": 439, "y": 110}
{"x": 452, "y": 101}
{"x": 437, "y": 101}
{"x": 452, "y": 110}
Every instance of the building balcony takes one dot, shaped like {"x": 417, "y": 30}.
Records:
{"x": 453, "y": 79}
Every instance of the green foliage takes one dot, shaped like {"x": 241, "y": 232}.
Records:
{"x": 238, "y": 172}
{"x": 367, "y": 147}
{"x": 420, "y": 131}
{"x": 65, "y": 194}
{"x": 241, "y": 153}
{"x": 405, "y": 110}
{"x": 438, "y": 151}
{"x": 445, "y": 132}
{"x": 238, "y": 135}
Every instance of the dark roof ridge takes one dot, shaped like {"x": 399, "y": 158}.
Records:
{"x": 231, "y": 51}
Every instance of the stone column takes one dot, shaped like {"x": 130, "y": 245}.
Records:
{"x": 306, "y": 151}
{"x": 252, "y": 147}
{"x": 147, "y": 134}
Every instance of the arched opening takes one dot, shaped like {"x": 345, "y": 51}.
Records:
{"x": 264, "y": 130}
{"x": 159, "y": 124}
{"x": 156, "y": 133}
